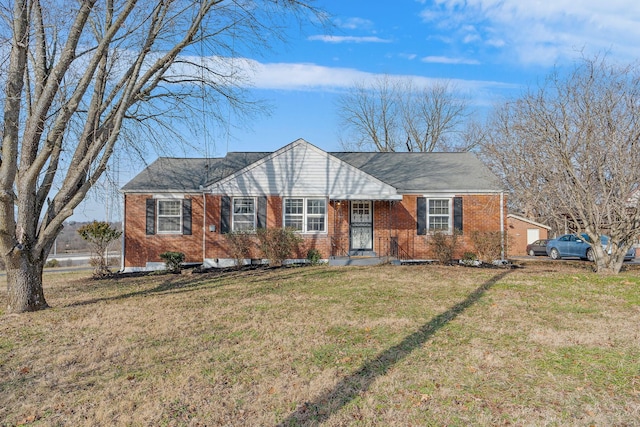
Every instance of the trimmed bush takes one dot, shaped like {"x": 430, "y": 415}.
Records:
{"x": 444, "y": 245}
{"x": 277, "y": 244}
{"x": 173, "y": 261}
{"x": 240, "y": 244}
{"x": 488, "y": 245}
{"x": 313, "y": 256}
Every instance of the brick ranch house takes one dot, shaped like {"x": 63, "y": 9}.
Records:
{"x": 343, "y": 203}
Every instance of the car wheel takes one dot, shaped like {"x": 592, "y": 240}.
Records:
{"x": 531, "y": 252}
{"x": 554, "y": 254}
{"x": 590, "y": 256}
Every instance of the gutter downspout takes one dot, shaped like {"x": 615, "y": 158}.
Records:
{"x": 204, "y": 226}
{"x": 502, "y": 250}
{"x": 124, "y": 231}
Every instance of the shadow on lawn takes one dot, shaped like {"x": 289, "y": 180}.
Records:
{"x": 175, "y": 283}
{"x": 359, "y": 382}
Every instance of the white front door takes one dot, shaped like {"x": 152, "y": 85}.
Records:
{"x": 361, "y": 225}
{"x": 533, "y": 234}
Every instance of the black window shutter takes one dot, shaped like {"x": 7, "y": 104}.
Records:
{"x": 457, "y": 213}
{"x": 422, "y": 216}
{"x": 262, "y": 212}
{"x": 225, "y": 214}
{"x": 151, "y": 217}
{"x": 186, "y": 216}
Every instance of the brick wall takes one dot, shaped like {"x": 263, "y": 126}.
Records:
{"x": 391, "y": 220}
{"x": 481, "y": 213}
{"x": 217, "y": 247}
{"x": 140, "y": 248}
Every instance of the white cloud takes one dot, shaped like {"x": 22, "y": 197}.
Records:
{"x": 542, "y": 32}
{"x": 348, "y": 39}
{"x": 354, "y": 23}
{"x": 447, "y": 60}
{"x": 311, "y": 77}
{"x": 409, "y": 56}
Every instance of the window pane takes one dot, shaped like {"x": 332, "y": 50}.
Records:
{"x": 294, "y": 213}
{"x": 438, "y": 207}
{"x": 168, "y": 224}
{"x": 293, "y": 206}
{"x": 293, "y": 222}
{"x": 169, "y": 207}
{"x": 169, "y": 216}
{"x": 316, "y": 206}
{"x": 439, "y": 223}
{"x": 244, "y": 214}
{"x": 243, "y": 226}
{"x": 244, "y": 206}
{"x": 315, "y": 223}
{"x": 243, "y": 218}
{"x": 305, "y": 215}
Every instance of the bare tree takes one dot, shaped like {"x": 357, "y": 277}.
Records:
{"x": 395, "y": 115}
{"x": 81, "y": 74}
{"x": 570, "y": 150}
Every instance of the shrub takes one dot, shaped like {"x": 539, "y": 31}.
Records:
{"x": 488, "y": 245}
{"x": 172, "y": 260}
{"x": 240, "y": 244}
{"x": 277, "y": 244}
{"x": 444, "y": 245}
{"x": 469, "y": 256}
{"x": 52, "y": 263}
{"x": 313, "y": 256}
{"x": 99, "y": 234}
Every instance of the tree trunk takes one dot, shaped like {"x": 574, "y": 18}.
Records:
{"x": 607, "y": 264}
{"x": 24, "y": 285}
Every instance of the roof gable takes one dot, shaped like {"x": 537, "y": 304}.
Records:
{"x": 528, "y": 221}
{"x": 301, "y": 169}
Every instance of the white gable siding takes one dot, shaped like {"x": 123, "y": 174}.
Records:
{"x": 301, "y": 169}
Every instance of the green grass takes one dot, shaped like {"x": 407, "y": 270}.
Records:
{"x": 419, "y": 345}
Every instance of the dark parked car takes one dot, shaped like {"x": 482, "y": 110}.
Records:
{"x": 539, "y": 247}
{"x": 572, "y": 245}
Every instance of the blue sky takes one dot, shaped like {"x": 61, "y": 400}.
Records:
{"x": 489, "y": 49}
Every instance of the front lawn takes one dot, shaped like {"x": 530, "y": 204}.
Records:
{"x": 387, "y": 345}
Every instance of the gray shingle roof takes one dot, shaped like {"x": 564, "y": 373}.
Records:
{"x": 423, "y": 172}
{"x": 188, "y": 174}
{"x": 171, "y": 174}
{"x": 407, "y": 172}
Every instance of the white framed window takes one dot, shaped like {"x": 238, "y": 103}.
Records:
{"x": 294, "y": 213}
{"x": 307, "y": 215}
{"x": 439, "y": 215}
{"x": 244, "y": 214}
{"x": 169, "y": 216}
{"x": 316, "y": 215}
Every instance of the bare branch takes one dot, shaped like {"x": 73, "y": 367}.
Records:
{"x": 568, "y": 152}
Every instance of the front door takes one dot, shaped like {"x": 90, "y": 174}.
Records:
{"x": 361, "y": 226}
